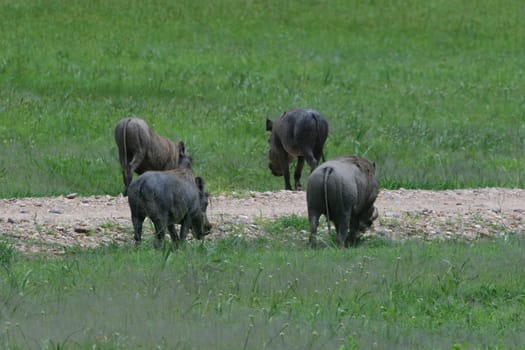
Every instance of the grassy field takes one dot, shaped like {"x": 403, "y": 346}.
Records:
{"x": 271, "y": 293}
{"x": 432, "y": 91}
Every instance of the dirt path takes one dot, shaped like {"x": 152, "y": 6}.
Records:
{"x": 50, "y": 224}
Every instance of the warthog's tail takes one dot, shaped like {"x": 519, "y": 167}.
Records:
{"x": 124, "y": 134}
{"x": 318, "y": 135}
{"x": 327, "y": 171}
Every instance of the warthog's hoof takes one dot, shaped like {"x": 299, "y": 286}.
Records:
{"x": 157, "y": 244}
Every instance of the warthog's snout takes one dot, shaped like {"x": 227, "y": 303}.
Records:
{"x": 364, "y": 225}
{"x": 276, "y": 171}
{"x": 206, "y": 230}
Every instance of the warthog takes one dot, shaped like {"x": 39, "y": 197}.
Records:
{"x": 169, "y": 197}
{"x": 298, "y": 133}
{"x": 344, "y": 190}
{"x": 140, "y": 150}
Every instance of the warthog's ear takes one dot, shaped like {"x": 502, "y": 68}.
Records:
{"x": 269, "y": 124}
{"x": 200, "y": 183}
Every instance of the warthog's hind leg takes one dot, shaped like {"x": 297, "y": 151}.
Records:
{"x": 341, "y": 227}
{"x": 137, "y": 228}
{"x": 126, "y": 177}
{"x": 353, "y": 235}
{"x": 311, "y": 160}
{"x": 160, "y": 232}
{"x": 298, "y": 172}
{"x": 313, "y": 218}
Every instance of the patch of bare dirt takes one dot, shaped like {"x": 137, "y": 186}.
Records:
{"x": 51, "y": 224}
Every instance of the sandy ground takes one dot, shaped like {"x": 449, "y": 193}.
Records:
{"x": 52, "y": 224}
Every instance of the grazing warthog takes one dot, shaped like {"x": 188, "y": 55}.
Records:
{"x": 140, "y": 150}
{"x": 298, "y": 133}
{"x": 169, "y": 197}
{"x": 344, "y": 190}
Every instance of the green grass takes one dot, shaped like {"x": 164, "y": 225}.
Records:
{"x": 432, "y": 91}
{"x": 235, "y": 294}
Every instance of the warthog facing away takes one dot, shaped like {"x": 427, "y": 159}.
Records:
{"x": 140, "y": 150}
{"x": 168, "y": 198}
{"x": 298, "y": 133}
{"x": 344, "y": 190}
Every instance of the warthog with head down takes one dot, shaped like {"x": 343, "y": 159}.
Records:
{"x": 140, "y": 150}
{"x": 344, "y": 190}
{"x": 168, "y": 198}
{"x": 298, "y": 133}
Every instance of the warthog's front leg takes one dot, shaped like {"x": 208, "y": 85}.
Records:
{"x": 173, "y": 233}
{"x": 184, "y": 227}
{"x": 286, "y": 175}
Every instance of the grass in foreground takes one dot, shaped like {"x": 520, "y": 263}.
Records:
{"x": 268, "y": 293}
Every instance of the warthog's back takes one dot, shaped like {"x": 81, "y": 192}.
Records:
{"x": 301, "y": 128}
{"x": 344, "y": 190}
{"x": 163, "y": 188}
{"x": 298, "y": 134}
{"x": 140, "y": 149}
{"x": 168, "y": 198}
{"x": 131, "y": 133}
{"x": 342, "y": 182}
